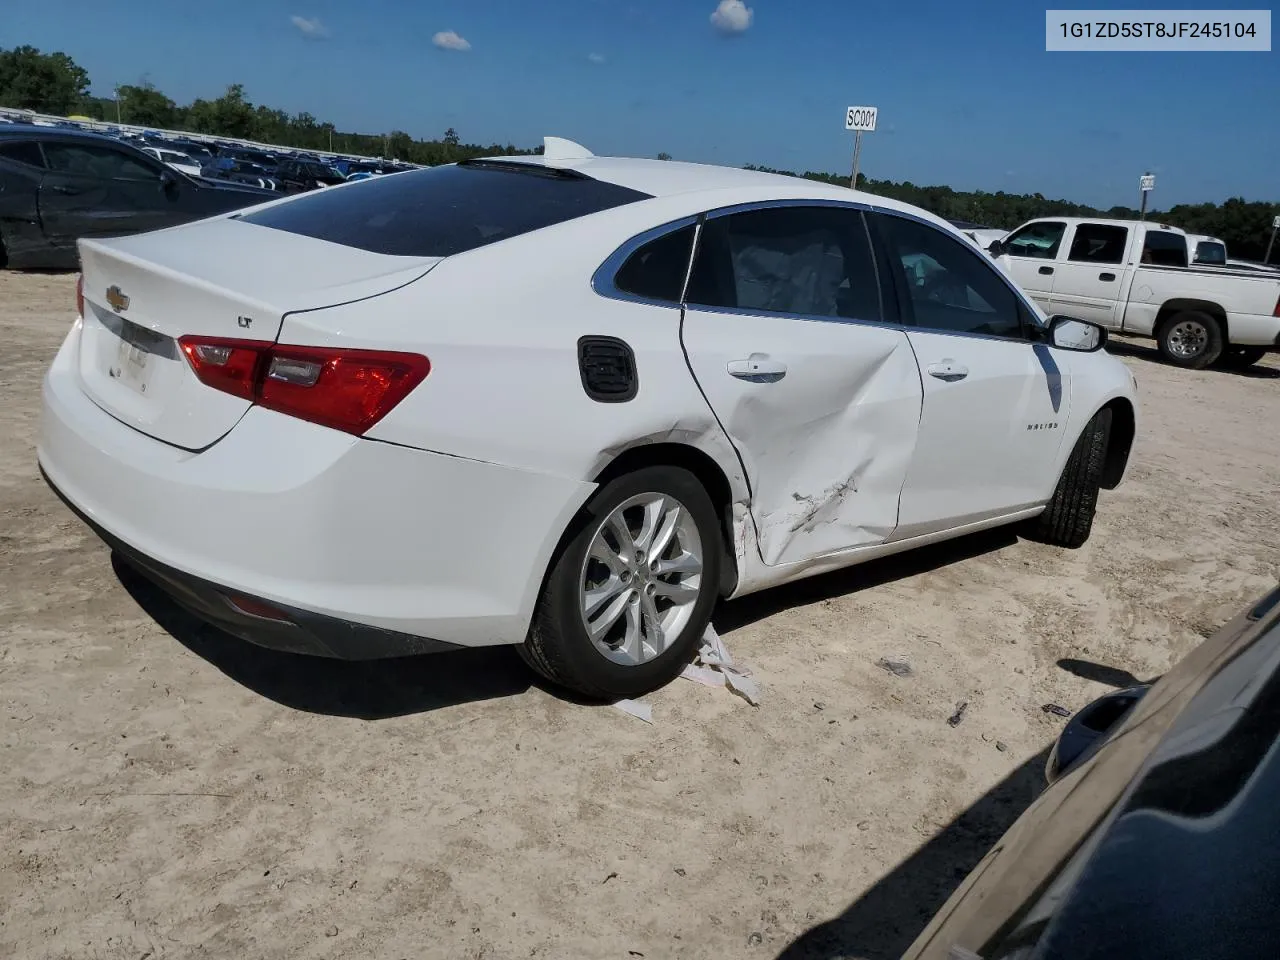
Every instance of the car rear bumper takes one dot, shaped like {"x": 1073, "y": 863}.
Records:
{"x": 369, "y": 549}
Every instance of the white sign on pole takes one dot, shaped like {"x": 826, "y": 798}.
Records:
{"x": 1147, "y": 183}
{"x": 861, "y": 118}
{"x": 1275, "y": 224}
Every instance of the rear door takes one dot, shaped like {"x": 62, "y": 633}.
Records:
{"x": 1089, "y": 283}
{"x": 785, "y": 334}
{"x": 1030, "y": 257}
{"x": 94, "y": 190}
{"x": 995, "y": 402}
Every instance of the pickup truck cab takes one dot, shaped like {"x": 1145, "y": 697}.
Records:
{"x": 1133, "y": 278}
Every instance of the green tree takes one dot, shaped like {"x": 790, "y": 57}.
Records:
{"x": 45, "y": 82}
{"x": 146, "y": 106}
{"x": 664, "y": 156}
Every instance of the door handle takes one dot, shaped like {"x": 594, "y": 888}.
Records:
{"x": 757, "y": 368}
{"x": 1046, "y": 270}
{"x": 58, "y": 188}
{"x": 1106, "y": 276}
{"x": 948, "y": 370}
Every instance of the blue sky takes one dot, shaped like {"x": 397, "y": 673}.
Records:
{"x": 967, "y": 94}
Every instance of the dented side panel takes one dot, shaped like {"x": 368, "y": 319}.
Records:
{"x": 826, "y": 447}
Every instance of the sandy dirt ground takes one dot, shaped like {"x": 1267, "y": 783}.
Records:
{"x": 166, "y": 791}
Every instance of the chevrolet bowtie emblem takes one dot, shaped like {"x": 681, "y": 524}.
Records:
{"x": 116, "y": 298}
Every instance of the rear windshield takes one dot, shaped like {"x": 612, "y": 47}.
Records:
{"x": 444, "y": 210}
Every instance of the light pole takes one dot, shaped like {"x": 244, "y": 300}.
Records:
{"x": 118, "y": 104}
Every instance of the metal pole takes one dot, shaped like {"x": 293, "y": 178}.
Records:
{"x": 857, "y": 150}
{"x": 1270, "y": 243}
{"x": 1143, "y": 214}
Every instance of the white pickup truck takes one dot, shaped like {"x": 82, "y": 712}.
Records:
{"x": 1132, "y": 277}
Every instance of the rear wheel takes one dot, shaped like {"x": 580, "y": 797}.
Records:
{"x": 1237, "y": 358}
{"x": 1190, "y": 339}
{"x": 1068, "y": 519}
{"x": 632, "y": 589}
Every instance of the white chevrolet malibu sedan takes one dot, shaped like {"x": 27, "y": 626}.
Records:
{"x": 561, "y": 401}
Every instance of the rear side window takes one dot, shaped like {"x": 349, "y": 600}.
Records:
{"x": 1098, "y": 243}
{"x": 1165, "y": 249}
{"x": 1212, "y": 253}
{"x": 22, "y": 151}
{"x": 445, "y": 210}
{"x": 657, "y": 270}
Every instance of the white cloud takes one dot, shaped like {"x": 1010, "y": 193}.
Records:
{"x": 732, "y": 17}
{"x": 311, "y": 28}
{"x": 448, "y": 40}
{"x": 596, "y": 57}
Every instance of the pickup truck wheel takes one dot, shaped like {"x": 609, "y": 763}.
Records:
{"x": 1068, "y": 518}
{"x": 1237, "y": 358}
{"x": 1190, "y": 339}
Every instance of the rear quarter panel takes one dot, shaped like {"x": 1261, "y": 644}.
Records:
{"x": 501, "y": 325}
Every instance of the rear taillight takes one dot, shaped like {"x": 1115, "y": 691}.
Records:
{"x": 348, "y": 390}
{"x": 80, "y": 295}
{"x": 1276, "y": 311}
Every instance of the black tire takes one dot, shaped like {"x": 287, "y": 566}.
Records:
{"x": 1239, "y": 358}
{"x": 1190, "y": 339}
{"x": 1068, "y": 519}
{"x": 558, "y": 646}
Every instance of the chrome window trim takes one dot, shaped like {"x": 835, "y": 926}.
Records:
{"x": 602, "y": 281}
{"x": 1017, "y": 291}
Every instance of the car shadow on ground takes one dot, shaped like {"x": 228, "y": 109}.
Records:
{"x": 1140, "y": 351}
{"x": 756, "y": 606}
{"x": 369, "y": 689}
{"x": 885, "y": 921}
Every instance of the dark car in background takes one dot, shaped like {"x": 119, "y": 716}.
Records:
{"x": 295, "y": 176}
{"x": 1157, "y": 836}
{"x": 59, "y": 185}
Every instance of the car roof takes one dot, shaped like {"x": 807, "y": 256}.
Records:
{"x": 667, "y": 178}
{"x": 1106, "y": 222}
{"x": 29, "y": 130}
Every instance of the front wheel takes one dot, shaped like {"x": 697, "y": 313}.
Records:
{"x": 1190, "y": 339}
{"x": 1238, "y": 358}
{"x": 1068, "y": 519}
{"x": 632, "y": 589}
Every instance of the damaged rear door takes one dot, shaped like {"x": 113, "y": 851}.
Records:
{"x": 820, "y": 396}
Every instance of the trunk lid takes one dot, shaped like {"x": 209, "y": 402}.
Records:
{"x": 216, "y": 278}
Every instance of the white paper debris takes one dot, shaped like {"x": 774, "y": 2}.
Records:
{"x": 713, "y": 667}
{"x": 636, "y": 708}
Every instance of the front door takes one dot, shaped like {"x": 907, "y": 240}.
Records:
{"x": 995, "y": 403}
{"x": 820, "y": 397}
{"x": 1030, "y": 255}
{"x": 1088, "y": 284}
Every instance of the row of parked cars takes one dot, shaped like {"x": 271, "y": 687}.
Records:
{"x": 60, "y": 183}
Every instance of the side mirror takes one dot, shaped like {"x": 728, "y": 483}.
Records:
{"x": 996, "y": 248}
{"x": 1068, "y": 333}
{"x": 167, "y": 180}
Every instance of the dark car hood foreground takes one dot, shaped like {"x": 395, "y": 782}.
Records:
{"x": 1163, "y": 843}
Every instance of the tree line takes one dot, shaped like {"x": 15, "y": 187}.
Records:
{"x": 54, "y": 83}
